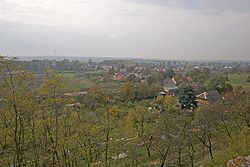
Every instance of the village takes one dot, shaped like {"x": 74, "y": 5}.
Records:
{"x": 210, "y": 82}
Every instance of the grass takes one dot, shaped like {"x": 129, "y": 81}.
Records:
{"x": 240, "y": 146}
{"x": 76, "y": 82}
{"x": 239, "y": 80}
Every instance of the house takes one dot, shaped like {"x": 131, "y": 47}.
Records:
{"x": 229, "y": 93}
{"x": 189, "y": 79}
{"x": 119, "y": 77}
{"x": 197, "y": 87}
{"x": 169, "y": 86}
{"x": 209, "y": 97}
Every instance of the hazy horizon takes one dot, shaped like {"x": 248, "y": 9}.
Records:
{"x": 78, "y": 57}
{"x": 159, "y": 29}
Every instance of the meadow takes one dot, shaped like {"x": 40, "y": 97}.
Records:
{"x": 239, "y": 80}
{"x": 76, "y": 82}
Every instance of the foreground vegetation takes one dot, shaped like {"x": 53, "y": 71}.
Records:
{"x": 43, "y": 127}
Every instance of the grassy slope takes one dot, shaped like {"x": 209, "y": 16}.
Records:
{"x": 231, "y": 149}
{"x": 74, "y": 82}
{"x": 239, "y": 80}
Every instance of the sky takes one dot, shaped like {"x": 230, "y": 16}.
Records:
{"x": 153, "y": 29}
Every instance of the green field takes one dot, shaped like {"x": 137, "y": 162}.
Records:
{"x": 239, "y": 80}
{"x": 76, "y": 82}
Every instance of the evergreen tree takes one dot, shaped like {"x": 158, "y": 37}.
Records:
{"x": 187, "y": 97}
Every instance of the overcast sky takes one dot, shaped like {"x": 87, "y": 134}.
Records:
{"x": 162, "y": 29}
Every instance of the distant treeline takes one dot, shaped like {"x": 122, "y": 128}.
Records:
{"x": 64, "y": 65}
{"x": 90, "y": 65}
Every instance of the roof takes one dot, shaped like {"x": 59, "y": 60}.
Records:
{"x": 119, "y": 76}
{"x": 197, "y": 87}
{"x": 169, "y": 84}
{"x": 211, "y": 96}
{"x": 189, "y": 79}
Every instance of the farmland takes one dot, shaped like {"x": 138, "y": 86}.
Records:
{"x": 76, "y": 82}
{"x": 239, "y": 80}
